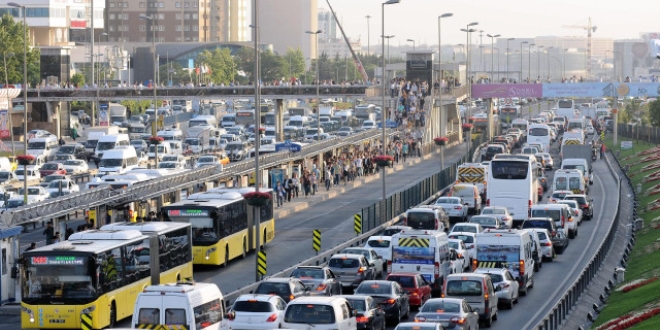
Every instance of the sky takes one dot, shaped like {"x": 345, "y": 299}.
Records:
{"x": 418, "y": 19}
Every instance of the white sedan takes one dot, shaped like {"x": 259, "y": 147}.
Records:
{"x": 454, "y": 207}
{"x": 34, "y": 194}
{"x": 175, "y": 158}
{"x": 66, "y": 184}
{"x": 463, "y": 255}
{"x": 75, "y": 166}
{"x": 256, "y": 311}
{"x": 575, "y": 208}
{"x": 32, "y": 174}
{"x": 382, "y": 246}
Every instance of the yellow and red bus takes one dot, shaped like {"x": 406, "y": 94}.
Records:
{"x": 92, "y": 280}
{"x": 220, "y": 221}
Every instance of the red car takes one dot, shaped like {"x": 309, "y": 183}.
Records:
{"x": 52, "y": 168}
{"x": 418, "y": 289}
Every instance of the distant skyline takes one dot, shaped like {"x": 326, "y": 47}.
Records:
{"x": 418, "y": 19}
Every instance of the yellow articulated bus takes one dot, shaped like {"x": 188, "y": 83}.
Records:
{"x": 219, "y": 219}
{"x": 92, "y": 280}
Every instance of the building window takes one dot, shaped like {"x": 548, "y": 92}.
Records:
{"x": 195, "y": 16}
{"x": 111, "y": 16}
{"x": 125, "y": 4}
{"x": 124, "y": 16}
{"x": 177, "y": 4}
{"x": 178, "y": 39}
{"x": 187, "y": 28}
{"x": 161, "y": 28}
{"x": 143, "y": 39}
{"x": 111, "y": 28}
{"x": 143, "y": 28}
{"x": 186, "y": 16}
{"x": 160, "y": 39}
{"x": 143, "y": 5}
{"x": 161, "y": 16}
{"x": 37, "y": 12}
{"x": 195, "y": 28}
{"x": 112, "y": 5}
{"x": 177, "y": 28}
{"x": 187, "y": 4}
{"x": 195, "y": 39}
{"x": 195, "y": 4}
{"x": 161, "y": 5}
{"x": 177, "y": 17}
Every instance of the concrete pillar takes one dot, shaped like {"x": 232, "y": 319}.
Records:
{"x": 490, "y": 108}
{"x": 57, "y": 117}
{"x": 279, "y": 119}
{"x": 443, "y": 119}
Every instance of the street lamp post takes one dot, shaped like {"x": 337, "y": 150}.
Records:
{"x": 468, "y": 31}
{"x": 442, "y": 74}
{"x": 152, "y": 19}
{"x": 563, "y": 63}
{"x": 9, "y": 120}
{"x": 388, "y": 49}
{"x": 257, "y": 140}
{"x": 507, "y": 58}
{"x": 25, "y": 91}
{"x": 548, "y": 60}
{"x": 521, "y": 60}
{"x": 368, "y": 17}
{"x": 318, "y": 82}
{"x": 492, "y": 54}
{"x": 413, "y": 41}
{"x": 383, "y": 116}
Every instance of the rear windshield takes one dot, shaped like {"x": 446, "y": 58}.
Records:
{"x": 309, "y": 314}
{"x": 537, "y": 224}
{"x": 307, "y": 273}
{"x": 421, "y": 220}
{"x": 253, "y": 306}
{"x": 574, "y": 183}
{"x": 357, "y": 303}
{"x": 460, "y": 191}
{"x": 273, "y": 288}
{"x": 467, "y": 229}
{"x": 580, "y": 200}
{"x": 542, "y": 235}
{"x": 464, "y": 238}
{"x": 344, "y": 263}
{"x": 445, "y": 306}
{"x": 554, "y": 214}
{"x": 496, "y": 278}
{"x": 512, "y": 170}
{"x": 404, "y": 281}
{"x": 464, "y": 288}
{"x": 149, "y": 316}
{"x": 379, "y": 243}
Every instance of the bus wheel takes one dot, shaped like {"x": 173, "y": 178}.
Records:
{"x": 226, "y": 264}
{"x": 113, "y": 315}
{"x": 244, "y": 249}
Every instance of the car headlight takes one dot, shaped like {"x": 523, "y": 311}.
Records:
{"x": 88, "y": 310}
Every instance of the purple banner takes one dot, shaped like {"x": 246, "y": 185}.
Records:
{"x": 506, "y": 90}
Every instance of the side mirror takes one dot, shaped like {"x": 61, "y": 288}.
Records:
{"x": 380, "y": 257}
{"x": 498, "y": 288}
{"x": 372, "y": 265}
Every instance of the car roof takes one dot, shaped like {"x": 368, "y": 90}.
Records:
{"x": 380, "y": 238}
{"x": 576, "y": 195}
{"x": 279, "y": 279}
{"x": 258, "y": 297}
{"x": 464, "y": 233}
{"x": 494, "y": 207}
{"x": 489, "y": 270}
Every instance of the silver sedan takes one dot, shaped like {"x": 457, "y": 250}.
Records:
{"x": 451, "y": 313}
{"x": 455, "y": 207}
{"x": 506, "y": 286}
{"x": 320, "y": 281}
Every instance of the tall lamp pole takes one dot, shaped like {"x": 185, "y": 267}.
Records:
{"x": 538, "y": 61}
{"x": 383, "y": 83}
{"x": 548, "y": 60}
{"x": 529, "y": 62}
{"x": 442, "y": 75}
{"x": 368, "y": 17}
{"x": 521, "y": 60}
{"x": 492, "y": 54}
{"x": 11, "y": 129}
{"x": 257, "y": 140}
{"x": 507, "y": 58}
{"x": 25, "y": 91}
{"x": 318, "y": 82}
{"x": 152, "y": 20}
{"x": 413, "y": 41}
{"x": 388, "y": 47}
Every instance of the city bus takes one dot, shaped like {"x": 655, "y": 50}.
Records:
{"x": 245, "y": 117}
{"x": 513, "y": 183}
{"x": 540, "y": 133}
{"x": 92, "y": 280}
{"x": 507, "y": 114}
{"x": 220, "y": 222}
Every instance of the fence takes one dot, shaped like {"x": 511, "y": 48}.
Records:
{"x": 384, "y": 210}
{"x": 641, "y": 133}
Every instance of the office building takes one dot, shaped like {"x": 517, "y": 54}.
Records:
{"x": 327, "y": 24}
{"x": 283, "y": 23}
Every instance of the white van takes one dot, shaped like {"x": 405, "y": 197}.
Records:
{"x": 109, "y": 142}
{"x": 477, "y": 290}
{"x": 203, "y": 121}
{"x": 298, "y": 121}
{"x": 515, "y": 247}
{"x": 427, "y": 217}
{"x": 171, "y": 134}
{"x": 45, "y": 147}
{"x": 163, "y": 149}
{"x": 580, "y": 164}
{"x": 229, "y": 120}
{"x": 470, "y": 194}
{"x": 192, "y": 306}
{"x": 424, "y": 252}
{"x": 319, "y": 313}
{"x": 118, "y": 161}
{"x": 560, "y": 213}
{"x": 570, "y": 180}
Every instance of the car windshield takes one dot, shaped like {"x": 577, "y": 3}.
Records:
{"x": 14, "y": 203}
{"x": 37, "y": 145}
{"x": 537, "y": 224}
{"x": 110, "y": 162}
{"x": 73, "y": 162}
{"x": 137, "y": 143}
{"x": 307, "y": 273}
{"x": 447, "y": 201}
{"x": 49, "y": 167}
{"x": 4, "y": 175}
{"x": 493, "y": 211}
{"x": 206, "y": 160}
{"x": 31, "y": 191}
{"x": 234, "y": 146}
{"x": 66, "y": 149}
{"x": 167, "y": 165}
{"x": 379, "y": 243}
{"x": 363, "y": 252}
{"x": 467, "y": 229}
{"x": 358, "y": 303}
{"x": 496, "y": 278}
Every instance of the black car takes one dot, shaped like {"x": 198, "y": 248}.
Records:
{"x": 585, "y": 205}
{"x": 559, "y": 241}
{"x": 287, "y": 288}
{"x": 369, "y": 315}
{"x": 389, "y": 296}
{"x": 76, "y": 149}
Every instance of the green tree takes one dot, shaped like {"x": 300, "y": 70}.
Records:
{"x": 221, "y": 64}
{"x": 175, "y": 72}
{"x": 294, "y": 61}
{"x": 11, "y": 42}
{"x": 654, "y": 113}
{"x": 78, "y": 79}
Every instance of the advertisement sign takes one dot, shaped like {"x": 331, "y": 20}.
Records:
{"x": 103, "y": 115}
{"x": 506, "y": 90}
{"x": 413, "y": 255}
{"x": 275, "y": 176}
{"x": 4, "y": 123}
{"x": 288, "y": 145}
{"x": 626, "y": 145}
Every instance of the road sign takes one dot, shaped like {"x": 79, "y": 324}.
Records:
{"x": 316, "y": 240}
{"x": 357, "y": 223}
{"x": 261, "y": 265}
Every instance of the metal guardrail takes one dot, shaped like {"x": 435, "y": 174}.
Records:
{"x": 106, "y": 196}
{"x": 562, "y": 308}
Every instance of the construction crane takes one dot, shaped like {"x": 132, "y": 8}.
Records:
{"x": 590, "y": 29}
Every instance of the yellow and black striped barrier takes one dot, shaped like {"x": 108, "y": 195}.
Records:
{"x": 602, "y": 135}
{"x": 414, "y": 242}
{"x": 86, "y": 321}
{"x": 357, "y": 223}
{"x": 316, "y": 240}
{"x": 161, "y": 326}
{"x": 261, "y": 265}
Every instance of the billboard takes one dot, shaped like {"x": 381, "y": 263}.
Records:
{"x": 559, "y": 90}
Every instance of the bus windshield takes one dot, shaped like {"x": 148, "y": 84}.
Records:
{"x": 512, "y": 170}
{"x": 421, "y": 220}
{"x": 538, "y": 131}
{"x": 58, "y": 277}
